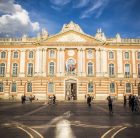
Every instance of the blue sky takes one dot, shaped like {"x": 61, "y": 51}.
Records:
{"x": 18, "y": 17}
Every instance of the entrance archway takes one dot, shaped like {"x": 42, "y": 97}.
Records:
{"x": 71, "y": 89}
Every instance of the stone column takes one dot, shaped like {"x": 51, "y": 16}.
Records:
{"x": 37, "y": 62}
{"x": 22, "y": 63}
{"x": 8, "y": 64}
{"x": 134, "y": 73}
{"x": 120, "y": 63}
{"x": 44, "y": 62}
{"x": 104, "y": 62}
{"x": 58, "y": 61}
{"x": 98, "y": 62}
{"x": 83, "y": 62}
{"x": 80, "y": 69}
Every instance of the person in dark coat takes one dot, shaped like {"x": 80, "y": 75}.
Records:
{"x": 54, "y": 99}
{"x": 110, "y": 104}
{"x": 124, "y": 100}
{"x": 89, "y": 100}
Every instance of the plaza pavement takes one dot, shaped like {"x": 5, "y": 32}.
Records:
{"x": 67, "y": 120}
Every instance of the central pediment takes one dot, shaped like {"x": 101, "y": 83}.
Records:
{"x": 71, "y": 36}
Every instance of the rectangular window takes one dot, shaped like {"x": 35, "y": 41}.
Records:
{"x": 111, "y": 55}
{"x": 1, "y": 87}
{"x": 29, "y": 87}
{"x": 14, "y": 87}
{"x": 3, "y": 54}
{"x": 51, "y": 87}
{"x": 128, "y": 88}
{"x": 139, "y": 70}
{"x": 138, "y": 55}
{"x": 112, "y": 87}
{"x": 90, "y": 87}
{"x": 15, "y": 55}
{"x": 126, "y": 55}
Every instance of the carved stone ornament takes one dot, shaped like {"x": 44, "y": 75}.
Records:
{"x": 71, "y": 37}
{"x": 71, "y": 52}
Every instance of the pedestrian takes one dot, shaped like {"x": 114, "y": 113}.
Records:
{"x": 124, "y": 100}
{"x": 89, "y": 100}
{"x": 110, "y": 104}
{"x": 54, "y": 99}
{"x": 132, "y": 103}
{"x": 22, "y": 101}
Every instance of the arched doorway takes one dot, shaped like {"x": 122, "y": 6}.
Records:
{"x": 138, "y": 89}
{"x": 71, "y": 89}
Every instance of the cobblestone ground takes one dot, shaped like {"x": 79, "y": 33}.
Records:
{"x": 67, "y": 120}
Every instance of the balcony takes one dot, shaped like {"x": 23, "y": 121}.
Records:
{"x": 70, "y": 74}
{"x": 14, "y": 75}
{"x": 29, "y": 75}
{"x": 90, "y": 75}
{"x": 2, "y": 75}
{"x": 127, "y": 76}
{"x": 112, "y": 75}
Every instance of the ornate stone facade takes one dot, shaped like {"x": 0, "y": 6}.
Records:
{"x": 70, "y": 64}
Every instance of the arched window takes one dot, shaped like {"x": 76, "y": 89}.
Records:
{"x": 30, "y": 69}
{"x": 52, "y": 54}
{"x": 15, "y": 69}
{"x": 139, "y": 70}
{"x": 111, "y": 55}
{"x": 51, "y": 87}
{"x": 70, "y": 66}
{"x": 14, "y": 87}
{"x": 1, "y": 87}
{"x": 15, "y": 54}
{"x": 3, "y": 54}
{"x": 128, "y": 88}
{"x": 51, "y": 68}
{"x": 31, "y": 54}
{"x": 112, "y": 87}
{"x": 111, "y": 70}
{"x": 90, "y": 68}
{"x": 90, "y": 87}
{"x": 127, "y": 70}
{"x": 126, "y": 55}
{"x": 2, "y": 69}
{"x": 29, "y": 87}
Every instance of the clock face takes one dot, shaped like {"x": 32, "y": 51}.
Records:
{"x": 71, "y": 52}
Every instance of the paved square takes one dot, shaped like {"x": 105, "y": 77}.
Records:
{"x": 67, "y": 120}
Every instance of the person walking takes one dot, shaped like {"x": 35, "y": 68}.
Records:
{"x": 124, "y": 101}
{"x": 110, "y": 104}
{"x": 89, "y": 100}
{"x": 54, "y": 99}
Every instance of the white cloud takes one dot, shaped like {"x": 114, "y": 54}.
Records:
{"x": 96, "y": 7}
{"x": 80, "y": 3}
{"x": 60, "y": 2}
{"x": 15, "y": 20}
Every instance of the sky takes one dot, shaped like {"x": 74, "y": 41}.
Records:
{"x": 19, "y": 17}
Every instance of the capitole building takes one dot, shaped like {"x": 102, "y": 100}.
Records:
{"x": 69, "y": 64}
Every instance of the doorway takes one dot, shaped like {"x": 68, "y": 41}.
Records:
{"x": 70, "y": 90}
{"x": 138, "y": 89}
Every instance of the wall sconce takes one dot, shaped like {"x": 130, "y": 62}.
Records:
{"x": 41, "y": 82}
{"x": 135, "y": 83}
{"x": 100, "y": 83}
{"x": 21, "y": 82}
{"x": 120, "y": 82}
{"x": 6, "y": 82}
